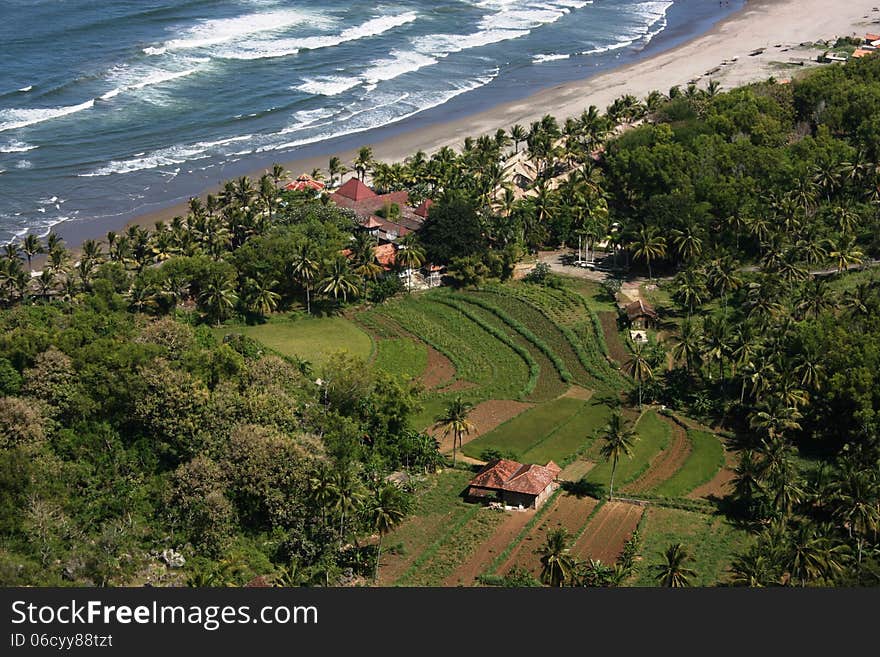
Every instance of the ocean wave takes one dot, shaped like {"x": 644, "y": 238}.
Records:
{"x": 400, "y": 63}
{"x": 24, "y": 90}
{"x": 16, "y": 146}
{"x": 540, "y": 59}
{"x": 222, "y": 30}
{"x": 328, "y": 85}
{"x": 271, "y": 49}
{"x": 156, "y": 77}
{"x": 12, "y": 119}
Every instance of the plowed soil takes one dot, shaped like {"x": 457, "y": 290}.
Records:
{"x": 612, "y": 338}
{"x": 666, "y": 463}
{"x": 608, "y": 532}
{"x": 439, "y": 371}
{"x": 568, "y": 512}
{"x": 721, "y": 484}
{"x": 466, "y": 574}
{"x": 576, "y": 470}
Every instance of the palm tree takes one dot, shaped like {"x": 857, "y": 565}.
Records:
{"x": 261, "y": 298}
{"x": 363, "y": 162}
{"x": 454, "y": 420}
{"x": 557, "y": 564}
{"x": 31, "y": 247}
{"x": 686, "y": 345}
{"x": 649, "y": 246}
{"x": 305, "y": 268}
{"x": 845, "y": 253}
{"x": 410, "y": 256}
{"x": 347, "y": 495}
{"x": 518, "y": 134}
{"x": 339, "y": 279}
{"x": 674, "y": 572}
{"x": 336, "y": 169}
{"x": 618, "y": 437}
{"x": 218, "y": 297}
{"x": 639, "y": 368}
{"x": 384, "y": 511}
{"x": 687, "y": 243}
{"x": 366, "y": 265}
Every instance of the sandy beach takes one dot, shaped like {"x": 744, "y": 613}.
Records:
{"x": 722, "y": 54}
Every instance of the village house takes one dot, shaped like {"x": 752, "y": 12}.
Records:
{"x": 515, "y": 484}
{"x": 305, "y": 183}
{"x": 641, "y": 315}
{"x": 386, "y": 216}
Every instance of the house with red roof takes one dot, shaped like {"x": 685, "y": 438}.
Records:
{"x": 388, "y": 216}
{"x": 515, "y": 484}
{"x": 305, "y": 183}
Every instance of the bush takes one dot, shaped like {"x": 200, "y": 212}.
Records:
{"x": 492, "y": 453}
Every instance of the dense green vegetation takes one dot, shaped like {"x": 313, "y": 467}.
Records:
{"x": 139, "y": 444}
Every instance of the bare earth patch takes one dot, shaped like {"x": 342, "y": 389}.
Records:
{"x": 486, "y": 416}
{"x": 439, "y": 371}
{"x": 467, "y": 573}
{"x": 568, "y": 512}
{"x": 666, "y": 463}
{"x": 457, "y": 386}
{"x": 576, "y": 470}
{"x": 576, "y": 392}
{"x": 608, "y": 531}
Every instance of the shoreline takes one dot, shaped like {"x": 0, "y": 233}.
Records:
{"x": 770, "y": 24}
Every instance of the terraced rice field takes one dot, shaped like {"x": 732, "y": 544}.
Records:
{"x": 505, "y": 533}
{"x": 608, "y": 531}
{"x": 654, "y": 436}
{"x": 667, "y": 463}
{"x": 568, "y": 512}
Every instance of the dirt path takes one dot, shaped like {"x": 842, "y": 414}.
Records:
{"x": 439, "y": 371}
{"x": 466, "y": 574}
{"x": 666, "y": 463}
{"x": 608, "y": 532}
{"x": 577, "y": 392}
{"x": 568, "y": 512}
{"x": 486, "y": 416}
{"x": 616, "y": 348}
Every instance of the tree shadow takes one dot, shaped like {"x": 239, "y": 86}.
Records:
{"x": 583, "y": 488}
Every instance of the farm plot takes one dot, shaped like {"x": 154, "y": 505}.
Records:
{"x": 571, "y": 436}
{"x": 527, "y": 430}
{"x": 437, "y": 508}
{"x": 653, "y": 437}
{"x": 485, "y": 417}
{"x": 405, "y": 357}
{"x": 498, "y": 370}
{"x": 569, "y": 512}
{"x": 608, "y": 531}
{"x": 667, "y": 463}
{"x": 711, "y": 539}
{"x": 505, "y": 533}
{"x": 616, "y": 348}
{"x": 705, "y": 461}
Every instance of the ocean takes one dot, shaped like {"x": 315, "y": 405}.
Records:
{"x": 111, "y": 109}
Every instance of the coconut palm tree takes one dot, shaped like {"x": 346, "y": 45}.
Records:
{"x": 366, "y": 265}
{"x": 639, "y": 368}
{"x": 518, "y": 134}
{"x": 557, "y": 564}
{"x": 674, "y": 572}
{"x": 410, "y": 256}
{"x": 845, "y": 254}
{"x": 454, "y": 420}
{"x": 336, "y": 169}
{"x": 260, "y": 297}
{"x": 385, "y": 509}
{"x": 618, "y": 439}
{"x": 339, "y": 279}
{"x": 304, "y": 268}
{"x": 363, "y": 162}
{"x": 31, "y": 247}
{"x": 687, "y": 345}
{"x": 648, "y": 246}
{"x": 218, "y": 297}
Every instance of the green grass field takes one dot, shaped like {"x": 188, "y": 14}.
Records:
{"x": 312, "y": 339}
{"x": 711, "y": 539}
{"x": 706, "y": 459}
{"x": 653, "y": 437}
{"x": 527, "y": 430}
{"x": 571, "y": 436}
{"x": 402, "y": 356}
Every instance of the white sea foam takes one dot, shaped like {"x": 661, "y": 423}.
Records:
{"x": 223, "y": 30}
{"x": 16, "y": 146}
{"x": 269, "y": 49}
{"x": 540, "y": 59}
{"x": 12, "y": 119}
{"x": 24, "y": 90}
{"x": 327, "y": 85}
{"x": 400, "y": 63}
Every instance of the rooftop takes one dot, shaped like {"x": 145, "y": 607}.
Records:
{"x": 507, "y": 475}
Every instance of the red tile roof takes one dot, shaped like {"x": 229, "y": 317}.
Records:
{"x": 872, "y": 37}
{"x": 304, "y": 182}
{"x": 386, "y": 254}
{"x": 506, "y": 475}
{"x": 354, "y": 190}
{"x": 640, "y": 308}
{"x": 862, "y": 52}
{"x": 372, "y": 222}
{"x": 422, "y": 210}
